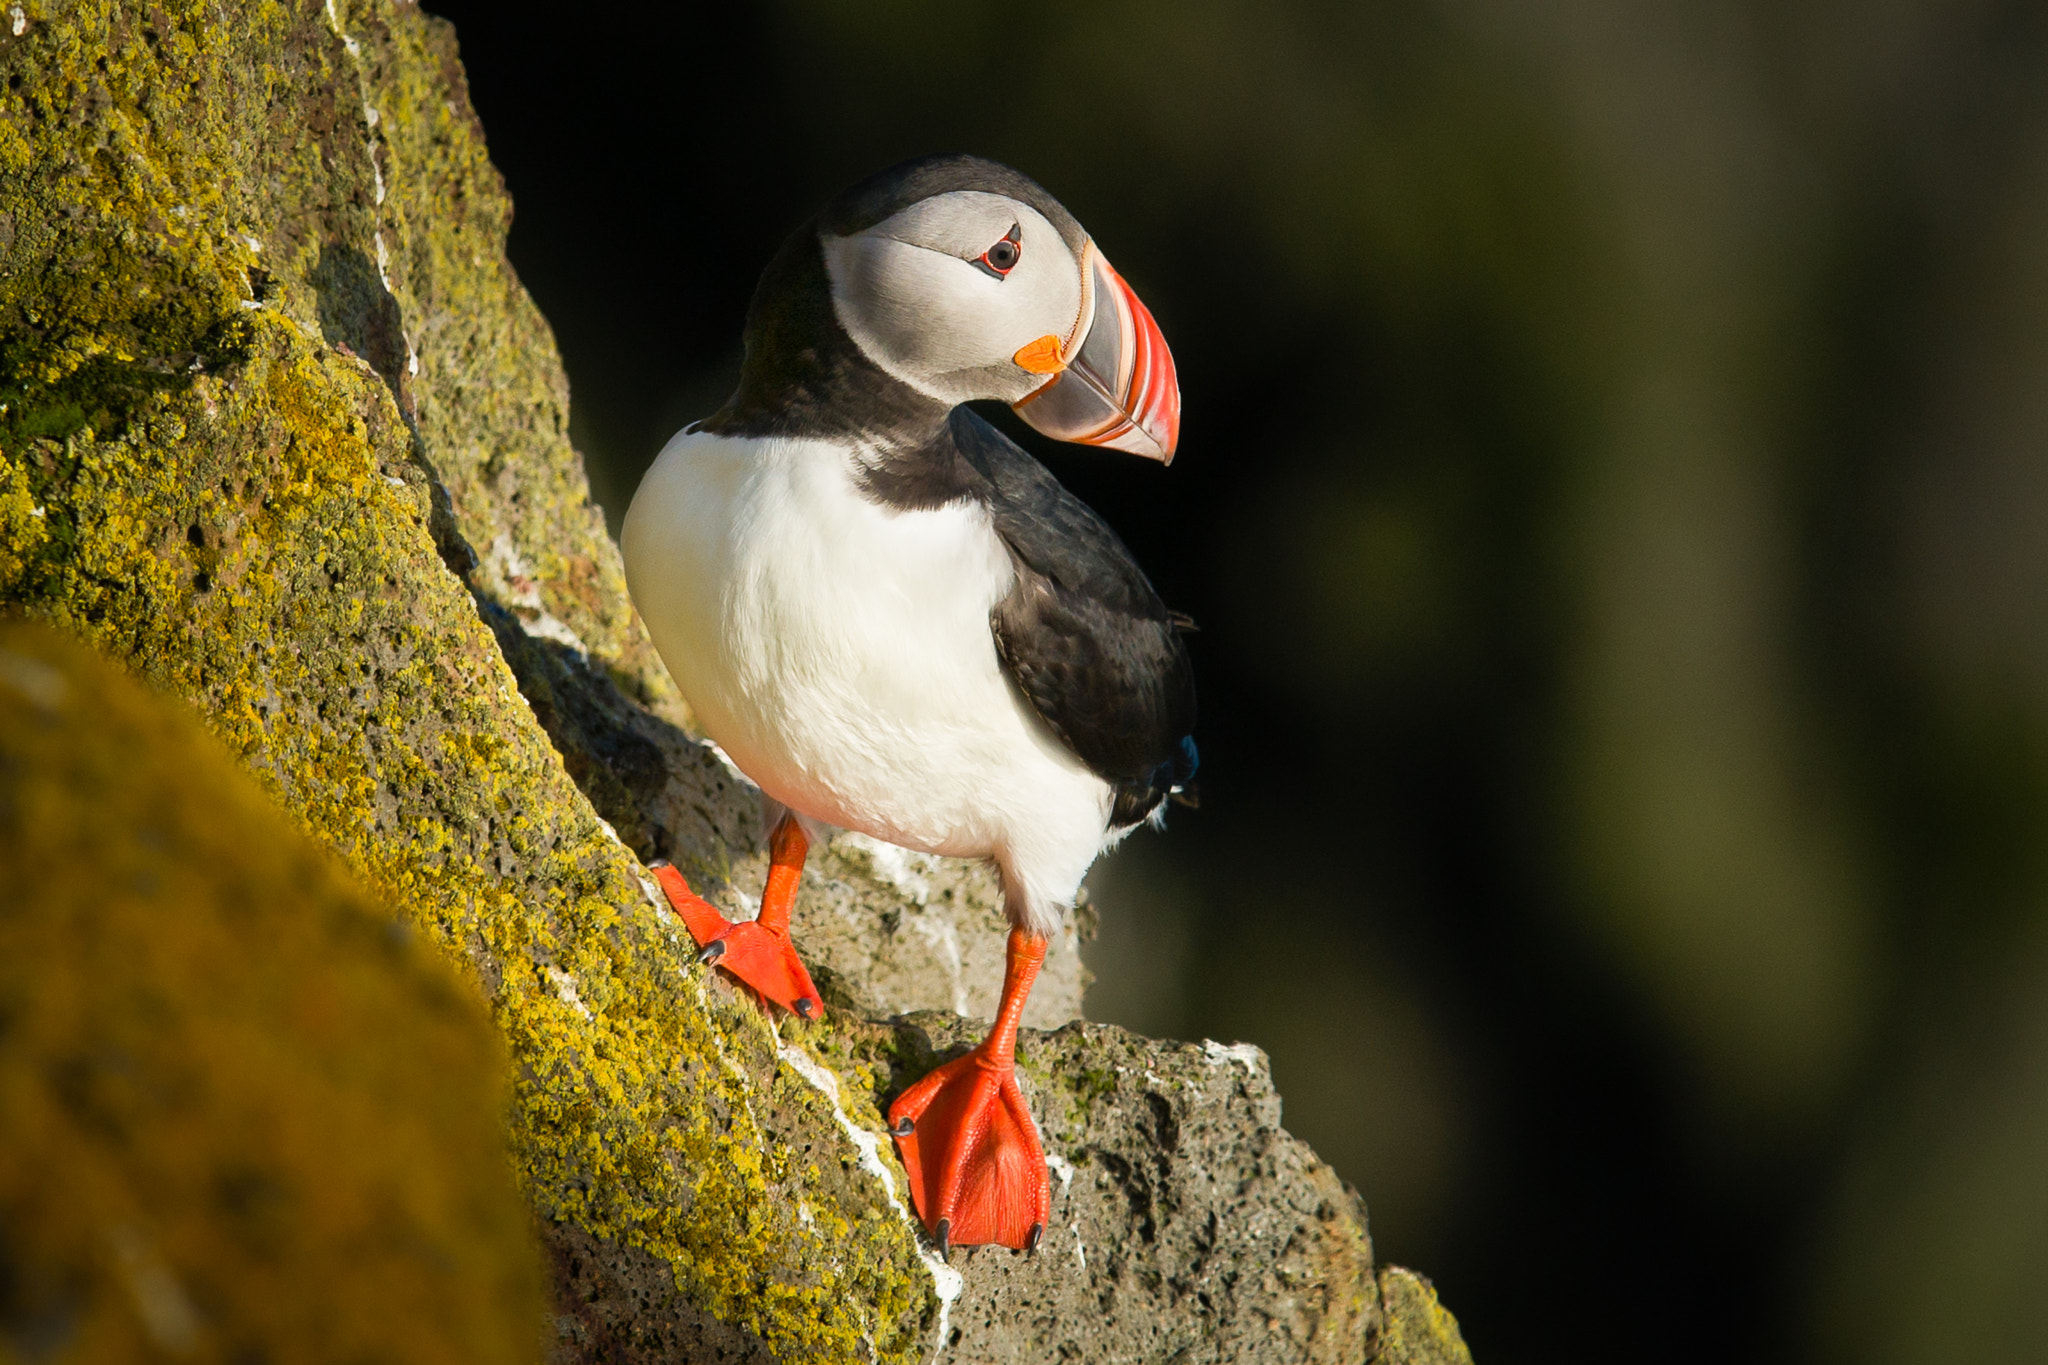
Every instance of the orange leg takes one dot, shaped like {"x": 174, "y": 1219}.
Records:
{"x": 966, "y": 1136}
{"x": 757, "y": 951}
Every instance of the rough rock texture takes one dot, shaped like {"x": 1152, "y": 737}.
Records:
{"x": 279, "y": 428}
{"x": 933, "y": 939}
{"x": 246, "y": 1115}
{"x": 1414, "y": 1328}
{"x": 1186, "y": 1223}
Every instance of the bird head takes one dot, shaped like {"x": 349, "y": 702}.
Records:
{"x": 964, "y": 280}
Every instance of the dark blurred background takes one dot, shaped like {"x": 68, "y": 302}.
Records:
{"x": 1614, "y": 493}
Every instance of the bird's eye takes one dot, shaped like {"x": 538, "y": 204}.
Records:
{"x": 1000, "y": 259}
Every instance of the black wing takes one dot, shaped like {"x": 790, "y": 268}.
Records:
{"x": 1088, "y": 641}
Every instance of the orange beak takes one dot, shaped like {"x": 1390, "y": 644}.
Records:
{"x": 1113, "y": 384}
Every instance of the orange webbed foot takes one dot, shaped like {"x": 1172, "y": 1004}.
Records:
{"x": 971, "y": 1152}
{"x": 966, "y": 1136}
{"x": 757, "y": 951}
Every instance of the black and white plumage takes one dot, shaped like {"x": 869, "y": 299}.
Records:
{"x": 890, "y": 616}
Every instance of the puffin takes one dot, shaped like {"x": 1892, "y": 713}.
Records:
{"x": 893, "y": 619}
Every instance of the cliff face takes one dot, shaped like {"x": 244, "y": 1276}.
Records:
{"x": 282, "y": 432}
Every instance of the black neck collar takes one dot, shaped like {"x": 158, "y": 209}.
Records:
{"x": 804, "y": 376}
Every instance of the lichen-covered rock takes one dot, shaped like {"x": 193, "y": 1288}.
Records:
{"x": 242, "y": 1115}
{"x": 224, "y": 339}
{"x": 1187, "y": 1225}
{"x": 1414, "y": 1328}
{"x": 279, "y": 428}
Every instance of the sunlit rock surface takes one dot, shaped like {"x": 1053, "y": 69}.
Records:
{"x": 284, "y": 435}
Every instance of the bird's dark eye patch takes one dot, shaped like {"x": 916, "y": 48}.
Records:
{"x": 1000, "y": 259}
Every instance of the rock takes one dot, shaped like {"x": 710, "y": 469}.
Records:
{"x": 1415, "y": 1329}
{"x": 1187, "y": 1225}
{"x": 282, "y": 432}
{"x": 246, "y": 1115}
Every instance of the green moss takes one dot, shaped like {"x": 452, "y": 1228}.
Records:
{"x": 243, "y": 1118}
{"x": 260, "y": 533}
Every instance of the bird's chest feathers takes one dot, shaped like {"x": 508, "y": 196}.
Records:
{"x": 840, "y": 611}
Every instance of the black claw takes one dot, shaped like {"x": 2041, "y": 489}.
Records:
{"x": 806, "y": 1007}
{"x": 1031, "y": 1240}
{"x": 943, "y": 1235}
{"x": 904, "y": 1127}
{"x": 713, "y": 951}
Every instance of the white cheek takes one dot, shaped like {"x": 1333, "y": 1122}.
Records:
{"x": 936, "y": 313}
{"x": 923, "y": 315}
{"x": 1042, "y": 296}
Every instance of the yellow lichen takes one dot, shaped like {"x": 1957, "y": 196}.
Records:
{"x": 24, "y": 526}
{"x": 1416, "y": 1328}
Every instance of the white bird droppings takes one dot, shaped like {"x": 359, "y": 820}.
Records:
{"x": 522, "y": 587}
{"x": 1219, "y": 1054}
{"x": 18, "y": 21}
{"x": 947, "y": 1282}
{"x": 1064, "y": 1169}
{"x": 896, "y": 865}
{"x": 565, "y": 991}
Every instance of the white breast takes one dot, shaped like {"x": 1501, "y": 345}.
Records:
{"x": 840, "y": 652}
